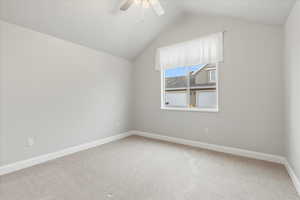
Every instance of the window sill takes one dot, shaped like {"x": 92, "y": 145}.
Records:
{"x": 209, "y": 110}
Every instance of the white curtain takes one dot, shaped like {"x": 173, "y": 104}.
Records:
{"x": 204, "y": 50}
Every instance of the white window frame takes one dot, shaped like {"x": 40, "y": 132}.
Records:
{"x": 162, "y": 92}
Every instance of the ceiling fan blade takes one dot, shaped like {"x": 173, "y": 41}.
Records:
{"x": 126, "y": 5}
{"x": 157, "y": 7}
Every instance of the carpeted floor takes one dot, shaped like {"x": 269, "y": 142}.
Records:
{"x": 137, "y": 168}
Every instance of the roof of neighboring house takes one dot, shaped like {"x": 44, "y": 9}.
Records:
{"x": 204, "y": 67}
{"x": 200, "y": 69}
{"x": 194, "y": 87}
{"x": 181, "y": 82}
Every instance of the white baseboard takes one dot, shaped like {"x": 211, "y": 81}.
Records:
{"x": 213, "y": 147}
{"x": 295, "y": 179}
{"x": 234, "y": 151}
{"x": 6, "y": 169}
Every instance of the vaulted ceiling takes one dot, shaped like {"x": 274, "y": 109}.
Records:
{"x": 100, "y": 25}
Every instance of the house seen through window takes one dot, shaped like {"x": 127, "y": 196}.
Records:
{"x": 190, "y": 87}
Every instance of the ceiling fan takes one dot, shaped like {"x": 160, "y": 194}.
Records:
{"x": 155, "y": 4}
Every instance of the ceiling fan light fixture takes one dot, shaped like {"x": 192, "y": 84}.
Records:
{"x": 155, "y": 4}
{"x": 146, "y": 4}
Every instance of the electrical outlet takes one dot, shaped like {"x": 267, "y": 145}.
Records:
{"x": 30, "y": 141}
{"x": 109, "y": 195}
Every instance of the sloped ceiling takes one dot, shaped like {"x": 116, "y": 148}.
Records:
{"x": 100, "y": 25}
{"x": 263, "y": 11}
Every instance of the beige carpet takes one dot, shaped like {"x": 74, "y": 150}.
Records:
{"x": 136, "y": 168}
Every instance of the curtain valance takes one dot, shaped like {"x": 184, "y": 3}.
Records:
{"x": 204, "y": 50}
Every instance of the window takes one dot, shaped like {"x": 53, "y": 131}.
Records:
{"x": 190, "y": 88}
{"x": 189, "y": 73}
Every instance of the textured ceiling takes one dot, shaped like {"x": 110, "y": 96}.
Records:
{"x": 99, "y": 24}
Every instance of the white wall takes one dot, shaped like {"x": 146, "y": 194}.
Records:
{"x": 57, "y": 92}
{"x": 251, "y": 91}
{"x": 292, "y": 87}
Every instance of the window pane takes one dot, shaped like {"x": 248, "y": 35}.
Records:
{"x": 176, "y": 90}
{"x": 193, "y": 87}
{"x": 206, "y": 99}
{"x": 177, "y": 99}
{"x": 204, "y": 88}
